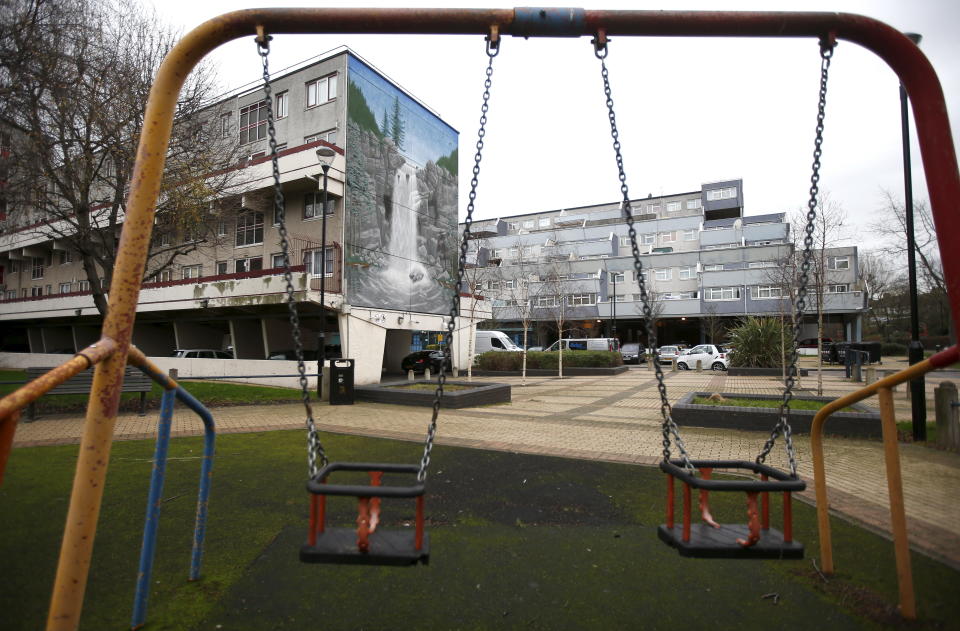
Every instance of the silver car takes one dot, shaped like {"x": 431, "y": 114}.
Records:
{"x": 666, "y": 354}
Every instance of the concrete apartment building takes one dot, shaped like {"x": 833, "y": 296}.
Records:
{"x": 707, "y": 264}
{"x": 390, "y": 259}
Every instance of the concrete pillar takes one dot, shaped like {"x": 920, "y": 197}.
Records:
{"x": 396, "y": 346}
{"x": 277, "y": 335}
{"x": 948, "y": 415}
{"x": 156, "y": 340}
{"x": 247, "y": 339}
{"x": 858, "y": 328}
{"x": 84, "y": 336}
{"x": 198, "y": 335}
{"x": 57, "y": 338}
{"x": 363, "y": 341}
{"x": 35, "y": 339}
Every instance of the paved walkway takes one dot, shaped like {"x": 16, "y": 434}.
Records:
{"x": 617, "y": 419}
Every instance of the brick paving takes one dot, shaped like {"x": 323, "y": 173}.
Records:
{"x": 616, "y": 419}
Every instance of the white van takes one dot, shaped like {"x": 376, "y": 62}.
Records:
{"x": 587, "y": 344}
{"x": 493, "y": 341}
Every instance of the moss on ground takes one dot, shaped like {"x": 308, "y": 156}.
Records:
{"x": 517, "y": 541}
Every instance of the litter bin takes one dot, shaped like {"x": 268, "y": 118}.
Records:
{"x": 341, "y": 382}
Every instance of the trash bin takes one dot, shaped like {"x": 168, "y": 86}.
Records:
{"x": 341, "y": 382}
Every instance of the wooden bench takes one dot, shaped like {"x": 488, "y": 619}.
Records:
{"x": 133, "y": 381}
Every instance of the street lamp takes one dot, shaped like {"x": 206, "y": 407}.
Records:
{"x": 918, "y": 402}
{"x": 613, "y": 278}
{"x": 325, "y": 155}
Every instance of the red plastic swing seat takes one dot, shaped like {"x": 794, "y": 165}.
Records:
{"x": 755, "y": 540}
{"x": 367, "y": 544}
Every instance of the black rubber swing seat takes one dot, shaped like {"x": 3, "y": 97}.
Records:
{"x": 396, "y": 547}
{"x": 707, "y": 542}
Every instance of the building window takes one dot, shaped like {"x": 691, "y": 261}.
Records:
{"x": 625, "y": 242}
{"x": 668, "y": 237}
{"x": 508, "y": 284}
{"x": 690, "y": 235}
{"x": 249, "y": 228}
{"x": 66, "y": 257}
{"x": 36, "y": 292}
{"x": 721, "y": 193}
{"x": 547, "y": 301}
{"x": 222, "y": 267}
{"x": 83, "y": 285}
{"x": 191, "y": 271}
{"x": 283, "y": 104}
{"x": 693, "y": 203}
{"x": 276, "y": 260}
{"x": 65, "y": 288}
{"x": 320, "y": 91}
{"x": 513, "y": 225}
{"x": 528, "y": 224}
{"x": 838, "y": 262}
{"x": 317, "y": 264}
{"x": 14, "y": 267}
{"x": 36, "y": 270}
{"x": 580, "y": 300}
{"x": 721, "y": 293}
{"x": 617, "y": 277}
{"x": 673, "y": 207}
{"x": 653, "y": 210}
{"x": 761, "y": 292}
{"x": 664, "y": 274}
{"x": 328, "y": 136}
{"x": 226, "y": 126}
{"x": 222, "y": 228}
{"x": 761, "y": 264}
{"x": 838, "y": 289}
{"x": 11, "y": 294}
{"x": 544, "y": 222}
{"x": 253, "y": 122}
{"x": 713, "y": 267}
{"x": 313, "y": 202}
{"x": 686, "y": 273}
{"x": 649, "y": 239}
{"x": 252, "y": 264}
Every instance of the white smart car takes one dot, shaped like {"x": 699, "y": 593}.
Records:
{"x": 710, "y": 356}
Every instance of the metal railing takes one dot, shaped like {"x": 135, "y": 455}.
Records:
{"x": 884, "y": 390}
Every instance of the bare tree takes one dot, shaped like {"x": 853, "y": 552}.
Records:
{"x": 891, "y": 227}
{"x": 474, "y": 276}
{"x": 877, "y": 277}
{"x": 74, "y": 95}
{"x": 550, "y": 299}
{"x": 516, "y": 287}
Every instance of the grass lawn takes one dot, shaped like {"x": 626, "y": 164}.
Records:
{"x": 212, "y": 393}
{"x": 795, "y": 404}
{"x": 517, "y": 541}
{"x": 447, "y": 387}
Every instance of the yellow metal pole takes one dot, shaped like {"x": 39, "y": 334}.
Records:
{"x": 816, "y": 450}
{"x": 80, "y": 530}
{"x": 898, "y": 516}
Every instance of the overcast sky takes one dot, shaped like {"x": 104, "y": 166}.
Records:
{"x": 690, "y": 111}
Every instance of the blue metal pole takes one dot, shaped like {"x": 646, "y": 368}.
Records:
{"x": 148, "y": 548}
{"x": 206, "y": 475}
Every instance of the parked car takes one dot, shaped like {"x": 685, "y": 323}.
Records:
{"x": 534, "y": 348}
{"x": 493, "y": 341}
{"x": 633, "y": 353}
{"x": 308, "y": 356}
{"x": 710, "y": 356}
{"x": 587, "y": 344}
{"x": 811, "y": 342}
{"x": 666, "y": 354}
{"x": 419, "y": 361}
{"x": 201, "y": 353}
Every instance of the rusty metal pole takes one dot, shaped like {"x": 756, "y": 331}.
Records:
{"x": 898, "y": 515}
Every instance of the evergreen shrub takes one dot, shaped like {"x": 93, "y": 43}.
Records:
{"x": 757, "y": 343}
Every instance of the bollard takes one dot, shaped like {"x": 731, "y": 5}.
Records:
{"x": 410, "y": 376}
{"x": 174, "y": 373}
{"x": 455, "y": 373}
{"x": 857, "y": 373}
{"x": 948, "y": 415}
{"x": 426, "y": 374}
{"x": 699, "y": 365}
{"x": 673, "y": 365}
{"x": 871, "y": 375}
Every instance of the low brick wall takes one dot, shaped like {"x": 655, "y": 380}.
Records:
{"x": 865, "y": 423}
{"x": 473, "y": 396}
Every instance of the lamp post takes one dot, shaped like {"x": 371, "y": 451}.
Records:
{"x": 918, "y": 402}
{"x": 325, "y": 155}
{"x": 613, "y": 278}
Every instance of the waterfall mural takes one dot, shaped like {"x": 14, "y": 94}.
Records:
{"x": 401, "y": 199}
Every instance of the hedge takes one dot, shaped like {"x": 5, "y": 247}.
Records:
{"x": 501, "y": 360}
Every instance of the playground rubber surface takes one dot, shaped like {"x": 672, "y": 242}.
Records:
{"x": 517, "y": 541}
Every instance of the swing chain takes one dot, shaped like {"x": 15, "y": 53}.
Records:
{"x": 669, "y": 425}
{"x": 827, "y": 45}
{"x": 493, "y": 48}
{"x": 314, "y": 447}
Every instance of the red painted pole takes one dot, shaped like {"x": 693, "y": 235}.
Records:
{"x": 670, "y": 502}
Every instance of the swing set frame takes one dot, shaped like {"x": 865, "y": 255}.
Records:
{"x": 111, "y": 354}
